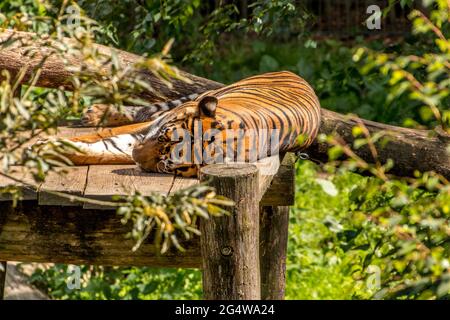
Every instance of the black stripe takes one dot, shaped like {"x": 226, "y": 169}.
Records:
{"x": 117, "y": 147}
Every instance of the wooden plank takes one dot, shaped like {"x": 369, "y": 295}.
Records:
{"x": 70, "y": 180}
{"x": 281, "y": 191}
{"x": 182, "y": 183}
{"x": 32, "y": 233}
{"x": 105, "y": 181}
{"x": 268, "y": 168}
{"x": 23, "y": 175}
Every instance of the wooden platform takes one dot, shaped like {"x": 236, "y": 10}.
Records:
{"x": 47, "y": 228}
{"x": 101, "y": 182}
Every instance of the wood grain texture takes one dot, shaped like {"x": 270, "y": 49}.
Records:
{"x": 267, "y": 168}
{"x": 23, "y": 175}
{"x": 273, "y": 239}
{"x": 105, "y": 181}
{"x": 230, "y": 244}
{"x": 69, "y": 180}
{"x": 32, "y": 233}
{"x": 281, "y": 191}
{"x": 182, "y": 183}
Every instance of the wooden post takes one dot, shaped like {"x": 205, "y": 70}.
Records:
{"x": 273, "y": 246}
{"x": 3, "y": 266}
{"x": 230, "y": 245}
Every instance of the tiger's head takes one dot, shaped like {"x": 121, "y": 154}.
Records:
{"x": 168, "y": 147}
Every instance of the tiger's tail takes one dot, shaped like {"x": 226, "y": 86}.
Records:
{"x": 106, "y": 115}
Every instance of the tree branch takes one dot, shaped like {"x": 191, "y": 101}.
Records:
{"x": 411, "y": 150}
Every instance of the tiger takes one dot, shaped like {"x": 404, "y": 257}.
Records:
{"x": 280, "y": 102}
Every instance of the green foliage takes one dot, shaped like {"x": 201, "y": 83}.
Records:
{"x": 423, "y": 77}
{"x": 102, "y": 283}
{"x": 167, "y": 217}
{"x": 144, "y": 26}
{"x": 99, "y": 78}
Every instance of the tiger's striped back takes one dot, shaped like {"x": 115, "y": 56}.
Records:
{"x": 278, "y": 100}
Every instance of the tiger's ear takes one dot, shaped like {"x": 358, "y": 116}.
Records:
{"x": 207, "y": 106}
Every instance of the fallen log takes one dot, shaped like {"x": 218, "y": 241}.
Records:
{"x": 16, "y": 46}
{"x": 422, "y": 150}
{"x": 410, "y": 149}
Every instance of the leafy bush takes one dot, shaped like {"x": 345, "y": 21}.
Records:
{"x": 120, "y": 283}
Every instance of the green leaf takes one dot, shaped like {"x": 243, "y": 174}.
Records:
{"x": 328, "y": 187}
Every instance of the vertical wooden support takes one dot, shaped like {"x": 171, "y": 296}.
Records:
{"x": 3, "y": 266}
{"x": 230, "y": 245}
{"x": 273, "y": 246}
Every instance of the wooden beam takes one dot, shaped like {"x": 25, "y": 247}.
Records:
{"x": 273, "y": 241}
{"x": 267, "y": 169}
{"x": 32, "y": 233}
{"x": 281, "y": 191}
{"x": 230, "y": 244}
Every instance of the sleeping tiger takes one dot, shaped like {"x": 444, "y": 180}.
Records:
{"x": 158, "y": 136}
